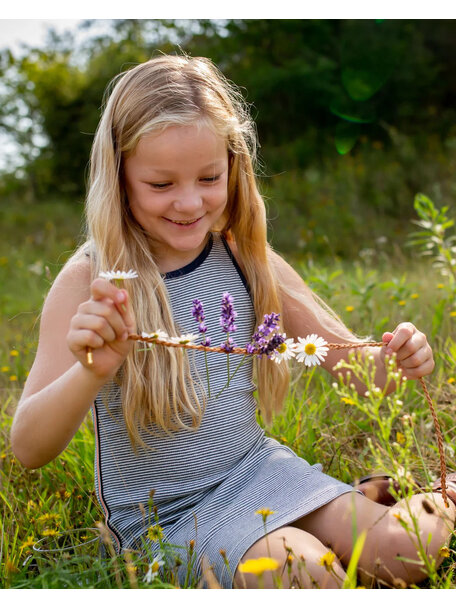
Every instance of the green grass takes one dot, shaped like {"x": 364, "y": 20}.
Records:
{"x": 321, "y": 422}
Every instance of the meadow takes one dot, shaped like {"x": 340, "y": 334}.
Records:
{"x": 323, "y": 421}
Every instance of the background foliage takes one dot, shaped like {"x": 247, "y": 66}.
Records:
{"x": 354, "y": 116}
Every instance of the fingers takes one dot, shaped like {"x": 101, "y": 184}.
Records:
{"x": 106, "y": 318}
{"x": 413, "y": 353}
{"x": 104, "y": 291}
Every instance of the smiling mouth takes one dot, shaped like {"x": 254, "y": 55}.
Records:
{"x": 182, "y": 222}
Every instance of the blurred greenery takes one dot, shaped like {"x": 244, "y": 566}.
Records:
{"x": 354, "y": 116}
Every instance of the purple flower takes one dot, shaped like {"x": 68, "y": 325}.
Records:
{"x": 260, "y": 343}
{"x": 228, "y": 313}
{"x": 198, "y": 315}
{"x": 227, "y": 319}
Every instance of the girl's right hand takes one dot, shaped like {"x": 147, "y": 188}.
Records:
{"x": 103, "y": 323}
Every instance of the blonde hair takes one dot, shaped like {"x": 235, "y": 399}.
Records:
{"x": 167, "y": 91}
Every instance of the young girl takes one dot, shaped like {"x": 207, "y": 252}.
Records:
{"x": 173, "y": 196}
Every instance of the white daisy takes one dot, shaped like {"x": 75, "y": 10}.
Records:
{"x": 119, "y": 275}
{"x": 154, "y": 567}
{"x": 311, "y": 350}
{"x": 284, "y": 351}
{"x": 156, "y": 335}
{"x": 184, "y": 339}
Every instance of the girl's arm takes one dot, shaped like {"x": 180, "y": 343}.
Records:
{"x": 61, "y": 385}
{"x": 302, "y": 315}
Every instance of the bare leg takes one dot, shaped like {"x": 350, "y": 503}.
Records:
{"x": 303, "y": 571}
{"x": 391, "y": 533}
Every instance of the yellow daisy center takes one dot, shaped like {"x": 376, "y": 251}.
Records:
{"x": 282, "y": 348}
{"x": 310, "y": 349}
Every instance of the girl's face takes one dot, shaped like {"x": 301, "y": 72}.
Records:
{"x": 176, "y": 182}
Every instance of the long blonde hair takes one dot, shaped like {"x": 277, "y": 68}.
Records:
{"x": 168, "y": 91}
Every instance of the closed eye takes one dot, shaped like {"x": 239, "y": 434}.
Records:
{"x": 210, "y": 180}
{"x": 160, "y": 185}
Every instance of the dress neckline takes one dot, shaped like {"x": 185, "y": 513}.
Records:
{"x": 192, "y": 265}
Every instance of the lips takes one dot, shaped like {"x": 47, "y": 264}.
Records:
{"x": 182, "y": 222}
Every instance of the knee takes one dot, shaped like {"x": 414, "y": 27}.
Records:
{"x": 303, "y": 562}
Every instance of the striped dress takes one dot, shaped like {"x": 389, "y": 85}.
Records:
{"x": 208, "y": 483}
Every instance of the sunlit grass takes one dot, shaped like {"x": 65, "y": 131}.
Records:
{"x": 320, "y": 422}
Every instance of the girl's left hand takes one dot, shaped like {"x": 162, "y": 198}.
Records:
{"x": 414, "y": 355}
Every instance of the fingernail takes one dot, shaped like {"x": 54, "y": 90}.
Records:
{"x": 121, "y": 297}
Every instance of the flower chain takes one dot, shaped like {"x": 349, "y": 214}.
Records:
{"x": 334, "y": 346}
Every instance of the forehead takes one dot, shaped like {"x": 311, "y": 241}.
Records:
{"x": 176, "y": 144}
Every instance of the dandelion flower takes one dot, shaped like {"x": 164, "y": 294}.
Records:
{"x": 258, "y": 566}
{"x": 311, "y": 350}
{"x": 155, "y": 533}
{"x": 284, "y": 351}
{"x": 14, "y": 353}
{"x": 119, "y": 275}
{"x": 6, "y": 368}
{"x": 453, "y": 313}
{"x": 451, "y": 380}
{"x": 402, "y": 302}
{"x": 154, "y": 567}
{"x": 327, "y": 560}
{"x": 349, "y": 308}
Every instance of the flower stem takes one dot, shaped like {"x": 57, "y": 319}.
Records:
{"x": 207, "y": 375}
{"x": 228, "y": 371}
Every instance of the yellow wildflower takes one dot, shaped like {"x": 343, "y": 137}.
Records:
{"x": 155, "y": 533}
{"x": 13, "y": 378}
{"x": 264, "y": 513}
{"x": 444, "y": 552}
{"x": 5, "y": 368}
{"x": 349, "y": 308}
{"x": 3, "y": 261}
{"x": 453, "y": 313}
{"x": 258, "y": 566}
{"x": 28, "y": 543}
{"x": 402, "y": 302}
{"x": 414, "y": 296}
{"x": 440, "y": 286}
{"x": 50, "y": 532}
{"x": 451, "y": 380}
{"x": 327, "y": 559}
{"x": 400, "y": 437}
{"x": 348, "y": 401}
{"x": 14, "y": 353}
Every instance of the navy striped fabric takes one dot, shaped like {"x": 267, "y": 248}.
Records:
{"x": 208, "y": 483}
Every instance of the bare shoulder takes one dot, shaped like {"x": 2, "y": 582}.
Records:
{"x": 53, "y": 357}
{"x": 72, "y": 283}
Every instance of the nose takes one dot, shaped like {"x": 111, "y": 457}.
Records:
{"x": 188, "y": 200}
